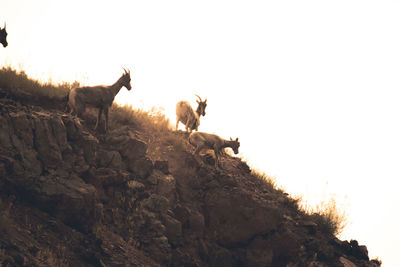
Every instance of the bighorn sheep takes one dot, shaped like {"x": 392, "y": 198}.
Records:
{"x": 203, "y": 140}
{"x": 186, "y": 115}
{"x": 3, "y": 36}
{"x": 100, "y": 97}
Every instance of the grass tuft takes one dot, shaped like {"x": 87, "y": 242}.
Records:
{"x": 265, "y": 178}
{"x": 328, "y": 217}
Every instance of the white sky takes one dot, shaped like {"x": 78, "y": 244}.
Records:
{"x": 311, "y": 88}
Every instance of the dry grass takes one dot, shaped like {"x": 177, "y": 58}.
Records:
{"x": 328, "y": 217}
{"x": 18, "y": 81}
{"x": 268, "y": 180}
{"x": 149, "y": 121}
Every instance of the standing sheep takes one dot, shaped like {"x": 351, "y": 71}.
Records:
{"x": 100, "y": 97}
{"x": 190, "y": 118}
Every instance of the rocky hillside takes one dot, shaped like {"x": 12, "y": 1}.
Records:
{"x": 136, "y": 197}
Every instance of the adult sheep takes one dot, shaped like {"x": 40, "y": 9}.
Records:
{"x": 186, "y": 115}
{"x": 100, "y": 97}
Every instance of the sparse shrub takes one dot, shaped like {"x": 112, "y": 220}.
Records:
{"x": 328, "y": 217}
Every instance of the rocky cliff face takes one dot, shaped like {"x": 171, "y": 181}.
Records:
{"x": 72, "y": 197}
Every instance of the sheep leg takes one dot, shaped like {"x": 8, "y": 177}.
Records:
{"x": 187, "y": 128}
{"x": 106, "y": 121}
{"x": 98, "y": 118}
{"x": 216, "y": 153}
{"x": 196, "y": 154}
{"x": 67, "y": 108}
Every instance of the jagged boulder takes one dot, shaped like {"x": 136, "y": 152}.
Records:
{"x": 165, "y": 185}
{"x": 173, "y": 230}
{"x": 127, "y": 143}
{"x": 5, "y": 140}
{"x": 235, "y": 216}
{"x": 68, "y": 198}
{"x": 16, "y": 137}
{"x": 45, "y": 141}
{"x": 162, "y": 165}
{"x": 141, "y": 167}
{"x": 22, "y": 127}
{"x": 40, "y": 163}
{"x": 196, "y": 223}
{"x": 106, "y": 177}
{"x": 73, "y": 127}
{"x": 89, "y": 144}
{"x": 258, "y": 253}
{"x": 109, "y": 159}
{"x": 132, "y": 149}
{"x": 156, "y": 203}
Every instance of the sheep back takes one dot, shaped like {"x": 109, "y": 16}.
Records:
{"x": 186, "y": 115}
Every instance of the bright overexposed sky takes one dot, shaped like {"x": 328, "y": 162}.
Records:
{"x": 311, "y": 88}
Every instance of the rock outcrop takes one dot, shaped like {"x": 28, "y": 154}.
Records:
{"x": 71, "y": 197}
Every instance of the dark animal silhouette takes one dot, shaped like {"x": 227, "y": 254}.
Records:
{"x": 3, "y": 36}
{"x": 100, "y": 97}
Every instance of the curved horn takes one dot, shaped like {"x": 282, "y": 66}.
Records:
{"x": 199, "y": 98}
{"x": 125, "y": 71}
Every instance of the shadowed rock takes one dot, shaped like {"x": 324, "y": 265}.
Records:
{"x": 236, "y": 216}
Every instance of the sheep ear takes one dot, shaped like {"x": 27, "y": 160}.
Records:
{"x": 231, "y": 138}
{"x": 237, "y": 139}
